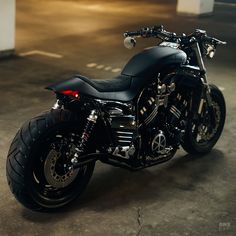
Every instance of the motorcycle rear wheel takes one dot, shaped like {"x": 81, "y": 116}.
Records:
{"x": 193, "y": 143}
{"x": 36, "y": 170}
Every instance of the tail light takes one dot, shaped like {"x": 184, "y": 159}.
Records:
{"x": 72, "y": 93}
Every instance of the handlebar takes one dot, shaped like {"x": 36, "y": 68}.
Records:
{"x": 214, "y": 41}
{"x": 159, "y": 32}
{"x": 147, "y": 32}
{"x": 132, "y": 34}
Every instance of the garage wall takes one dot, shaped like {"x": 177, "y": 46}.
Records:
{"x": 7, "y": 25}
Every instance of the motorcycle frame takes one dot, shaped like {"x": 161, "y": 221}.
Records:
{"x": 192, "y": 72}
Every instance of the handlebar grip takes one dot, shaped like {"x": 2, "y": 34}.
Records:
{"x": 213, "y": 40}
{"x": 217, "y": 41}
{"x": 147, "y": 32}
{"x": 131, "y": 34}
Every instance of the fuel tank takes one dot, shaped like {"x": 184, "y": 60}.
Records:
{"x": 151, "y": 60}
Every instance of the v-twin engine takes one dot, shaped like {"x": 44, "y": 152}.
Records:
{"x": 155, "y": 132}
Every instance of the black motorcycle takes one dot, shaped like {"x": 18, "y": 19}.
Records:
{"x": 159, "y": 102}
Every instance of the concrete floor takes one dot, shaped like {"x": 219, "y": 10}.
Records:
{"x": 186, "y": 196}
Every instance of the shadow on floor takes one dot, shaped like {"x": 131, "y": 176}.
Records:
{"x": 112, "y": 188}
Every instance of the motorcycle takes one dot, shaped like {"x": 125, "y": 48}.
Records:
{"x": 160, "y": 101}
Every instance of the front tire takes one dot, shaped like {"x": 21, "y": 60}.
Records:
{"x": 191, "y": 141}
{"x": 34, "y": 166}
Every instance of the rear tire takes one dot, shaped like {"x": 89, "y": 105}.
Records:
{"x": 27, "y": 157}
{"x": 190, "y": 144}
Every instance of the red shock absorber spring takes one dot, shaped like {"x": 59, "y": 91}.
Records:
{"x": 91, "y": 121}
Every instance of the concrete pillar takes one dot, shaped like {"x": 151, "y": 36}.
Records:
{"x": 195, "y": 7}
{"x": 7, "y": 27}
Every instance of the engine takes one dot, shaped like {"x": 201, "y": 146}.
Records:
{"x": 154, "y": 127}
{"x": 161, "y": 115}
{"x": 124, "y": 129}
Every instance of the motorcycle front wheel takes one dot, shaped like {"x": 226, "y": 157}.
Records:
{"x": 37, "y": 162}
{"x": 201, "y": 135}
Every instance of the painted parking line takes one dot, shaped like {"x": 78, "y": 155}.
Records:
{"x": 107, "y": 68}
{"x": 94, "y": 65}
{"x": 116, "y": 70}
{"x": 100, "y": 67}
{"x": 226, "y": 4}
{"x": 221, "y": 88}
{"x": 42, "y": 53}
{"x": 91, "y": 65}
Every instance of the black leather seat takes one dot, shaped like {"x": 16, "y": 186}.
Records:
{"x": 118, "y": 83}
{"x": 121, "y": 88}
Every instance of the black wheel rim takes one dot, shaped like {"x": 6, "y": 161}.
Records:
{"x": 203, "y": 132}
{"x": 43, "y": 192}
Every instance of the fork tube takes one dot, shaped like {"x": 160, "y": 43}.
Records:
{"x": 200, "y": 62}
{"x": 206, "y": 88}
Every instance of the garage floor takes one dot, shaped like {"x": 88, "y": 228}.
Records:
{"x": 186, "y": 196}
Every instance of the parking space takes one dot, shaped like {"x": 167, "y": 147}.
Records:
{"x": 186, "y": 196}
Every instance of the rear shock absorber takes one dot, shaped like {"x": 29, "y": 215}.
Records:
{"x": 91, "y": 121}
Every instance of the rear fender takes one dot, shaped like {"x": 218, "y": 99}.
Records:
{"x": 71, "y": 86}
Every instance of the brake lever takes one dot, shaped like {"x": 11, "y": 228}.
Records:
{"x": 219, "y": 42}
{"x": 216, "y": 41}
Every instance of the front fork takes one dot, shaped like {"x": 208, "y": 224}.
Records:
{"x": 206, "y": 91}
